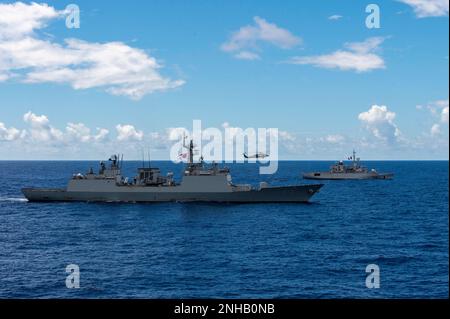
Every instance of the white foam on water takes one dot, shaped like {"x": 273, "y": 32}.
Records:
{"x": 13, "y": 199}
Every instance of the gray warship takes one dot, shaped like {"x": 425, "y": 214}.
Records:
{"x": 200, "y": 183}
{"x": 353, "y": 171}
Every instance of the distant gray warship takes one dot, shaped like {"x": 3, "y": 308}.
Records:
{"x": 354, "y": 171}
{"x": 200, "y": 183}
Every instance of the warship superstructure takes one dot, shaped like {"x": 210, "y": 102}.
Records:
{"x": 200, "y": 182}
{"x": 342, "y": 171}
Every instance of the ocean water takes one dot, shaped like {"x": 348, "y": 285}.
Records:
{"x": 188, "y": 250}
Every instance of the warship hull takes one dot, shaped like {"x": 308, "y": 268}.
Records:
{"x": 301, "y": 193}
{"x": 347, "y": 176}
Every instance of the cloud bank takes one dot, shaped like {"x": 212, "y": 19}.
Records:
{"x": 380, "y": 138}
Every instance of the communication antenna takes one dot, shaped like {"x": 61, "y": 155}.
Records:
{"x": 149, "y": 159}
{"x": 184, "y": 140}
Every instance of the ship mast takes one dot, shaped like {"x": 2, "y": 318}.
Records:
{"x": 191, "y": 152}
{"x": 191, "y": 149}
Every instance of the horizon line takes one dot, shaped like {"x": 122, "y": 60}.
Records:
{"x": 227, "y": 162}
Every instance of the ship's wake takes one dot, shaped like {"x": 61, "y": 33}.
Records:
{"x": 13, "y": 199}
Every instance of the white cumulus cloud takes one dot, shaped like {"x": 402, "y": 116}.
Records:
{"x": 439, "y": 111}
{"x": 444, "y": 115}
{"x": 248, "y": 39}
{"x": 113, "y": 66}
{"x": 19, "y": 19}
{"x": 102, "y": 134}
{"x": 8, "y": 133}
{"x": 79, "y": 131}
{"x": 128, "y": 132}
{"x": 435, "y": 130}
{"x": 428, "y": 8}
{"x": 380, "y": 122}
{"x": 357, "y": 56}
{"x": 40, "y": 129}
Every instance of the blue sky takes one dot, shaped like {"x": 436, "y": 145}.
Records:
{"x": 318, "y": 106}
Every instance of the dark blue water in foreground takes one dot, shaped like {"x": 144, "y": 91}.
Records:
{"x": 175, "y": 250}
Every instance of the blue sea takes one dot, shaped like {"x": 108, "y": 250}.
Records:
{"x": 188, "y": 250}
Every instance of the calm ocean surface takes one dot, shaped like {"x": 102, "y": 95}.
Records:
{"x": 176, "y": 250}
